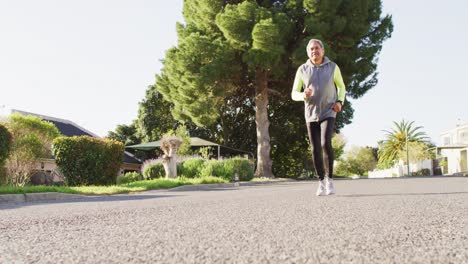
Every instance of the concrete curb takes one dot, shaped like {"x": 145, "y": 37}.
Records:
{"x": 33, "y": 197}
{"x": 201, "y": 187}
{"x": 12, "y": 198}
{"x": 47, "y": 196}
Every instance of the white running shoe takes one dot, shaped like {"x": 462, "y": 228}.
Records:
{"x": 321, "y": 188}
{"x": 330, "y": 187}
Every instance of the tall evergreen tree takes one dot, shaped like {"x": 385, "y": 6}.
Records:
{"x": 233, "y": 52}
{"x": 155, "y": 120}
{"x": 127, "y": 134}
{"x": 154, "y": 116}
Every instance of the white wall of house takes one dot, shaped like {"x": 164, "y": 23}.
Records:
{"x": 455, "y": 148}
{"x": 456, "y": 159}
{"x": 402, "y": 170}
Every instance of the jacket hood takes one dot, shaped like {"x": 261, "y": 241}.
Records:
{"x": 326, "y": 60}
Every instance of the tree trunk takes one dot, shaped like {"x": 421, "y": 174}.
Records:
{"x": 169, "y": 145}
{"x": 261, "y": 119}
{"x": 170, "y": 166}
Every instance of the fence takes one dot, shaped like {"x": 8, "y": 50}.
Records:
{"x": 402, "y": 170}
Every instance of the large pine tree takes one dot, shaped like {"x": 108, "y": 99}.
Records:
{"x": 234, "y": 56}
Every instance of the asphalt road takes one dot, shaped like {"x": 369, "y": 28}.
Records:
{"x": 413, "y": 220}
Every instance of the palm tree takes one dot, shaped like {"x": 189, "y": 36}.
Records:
{"x": 396, "y": 141}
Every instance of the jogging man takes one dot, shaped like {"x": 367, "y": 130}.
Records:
{"x": 320, "y": 86}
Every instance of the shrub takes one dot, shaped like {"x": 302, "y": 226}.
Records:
{"x": 215, "y": 168}
{"x": 129, "y": 177}
{"x": 243, "y": 167}
{"x": 153, "y": 169}
{"x": 423, "y": 172}
{"x": 190, "y": 168}
{"x": 85, "y": 160}
{"x": 32, "y": 138}
{"x": 5, "y": 144}
{"x": 3, "y": 176}
{"x": 5, "y": 147}
{"x": 226, "y": 169}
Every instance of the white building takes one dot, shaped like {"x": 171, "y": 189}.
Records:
{"x": 454, "y": 148}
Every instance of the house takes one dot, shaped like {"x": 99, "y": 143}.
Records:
{"x": 454, "y": 149}
{"x": 69, "y": 129}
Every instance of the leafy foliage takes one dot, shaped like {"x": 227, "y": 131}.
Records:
{"x": 357, "y": 161}
{"x": 154, "y": 116}
{"x": 338, "y": 144}
{"x": 32, "y": 140}
{"x": 129, "y": 177}
{"x": 416, "y": 151}
{"x": 390, "y": 150}
{"x": 85, "y": 160}
{"x": 5, "y": 147}
{"x": 127, "y": 134}
{"x": 227, "y": 169}
{"x": 153, "y": 169}
{"x": 5, "y": 144}
{"x": 191, "y": 168}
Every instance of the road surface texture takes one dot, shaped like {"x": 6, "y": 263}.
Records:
{"x": 408, "y": 220}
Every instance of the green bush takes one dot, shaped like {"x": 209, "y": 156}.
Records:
{"x": 5, "y": 147}
{"x": 226, "y": 169}
{"x": 243, "y": 167}
{"x": 190, "y": 168}
{"x": 423, "y": 172}
{"x": 32, "y": 140}
{"x": 215, "y": 168}
{"x": 5, "y": 144}
{"x": 129, "y": 177}
{"x": 85, "y": 160}
{"x": 153, "y": 169}
{"x": 3, "y": 176}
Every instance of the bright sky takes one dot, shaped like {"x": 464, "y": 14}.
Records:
{"x": 91, "y": 62}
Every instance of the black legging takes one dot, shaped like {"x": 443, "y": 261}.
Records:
{"x": 320, "y": 137}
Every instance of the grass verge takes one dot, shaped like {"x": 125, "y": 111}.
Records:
{"x": 113, "y": 189}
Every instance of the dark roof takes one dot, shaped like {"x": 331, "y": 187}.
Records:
{"x": 129, "y": 158}
{"x": 194, "y": 142}
{"x": 70, "y": 129}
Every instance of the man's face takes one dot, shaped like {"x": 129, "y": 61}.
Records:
{"x": 316, "y": 52}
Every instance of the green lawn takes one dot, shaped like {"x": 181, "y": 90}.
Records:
{"x": 113, "y": 189}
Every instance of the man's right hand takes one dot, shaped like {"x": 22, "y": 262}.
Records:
{"x": 308, "y": 92}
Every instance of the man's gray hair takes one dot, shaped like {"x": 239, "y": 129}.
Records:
{"x": 311, "y": 42}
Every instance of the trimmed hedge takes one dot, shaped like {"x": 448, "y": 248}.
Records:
{"x": 6, "y": 140}
{"x": 85, "y": 160}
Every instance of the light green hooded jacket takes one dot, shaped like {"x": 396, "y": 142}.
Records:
{"x": 327, "y": 85}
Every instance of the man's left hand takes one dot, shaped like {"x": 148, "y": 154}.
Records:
{"x": 337, "y": 107}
